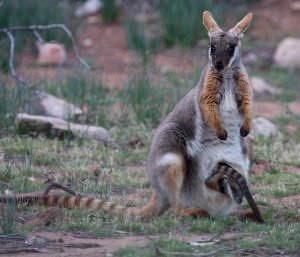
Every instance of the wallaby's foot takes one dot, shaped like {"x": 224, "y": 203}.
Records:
{"x": 246, "y": 215}
{"x": 221, "y": 134}
{"x": 245, "y": 130}
{"x": 191, "y": 212}
{"x": 226, "y": 185}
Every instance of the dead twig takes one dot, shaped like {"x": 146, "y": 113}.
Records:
{"x": 59, "y": 186}
{"x": 34, "y": 29}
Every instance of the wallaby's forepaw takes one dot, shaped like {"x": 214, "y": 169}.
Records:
{"x": 222, "y": 134}
{"x": 245, "y": 130}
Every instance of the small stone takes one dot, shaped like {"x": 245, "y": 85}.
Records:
{"x": 89, "y": 7}
{"x": 87, "y": 42}
{"x": 295, "y": 107}
{"x": 60, "y": 240}
{"x": 93, "y": 19}
{"x": 258, "y": 169}
{"x": 51, "y": 54}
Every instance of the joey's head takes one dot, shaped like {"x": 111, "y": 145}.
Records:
{"x": 224, "y": 48}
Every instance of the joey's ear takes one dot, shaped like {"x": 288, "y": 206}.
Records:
{"x": 241, "y": 26}
{"x": 210, "y": 23}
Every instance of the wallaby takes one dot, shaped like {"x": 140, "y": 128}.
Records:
{"x": 185, "y": 148}
{"x": 227, "y": 180}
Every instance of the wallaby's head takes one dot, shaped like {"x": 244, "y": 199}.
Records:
{"x": 224, "y": 47}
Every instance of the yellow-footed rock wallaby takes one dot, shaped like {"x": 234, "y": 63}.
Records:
{"x": 207, "y": 127}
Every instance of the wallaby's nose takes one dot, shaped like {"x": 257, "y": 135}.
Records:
{"x": 219, "y": 66}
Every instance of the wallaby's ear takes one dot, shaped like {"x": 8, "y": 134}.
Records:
{"x": 241, "y": 26}
{"x": 210, "y": 23}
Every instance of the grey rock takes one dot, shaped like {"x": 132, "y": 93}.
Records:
{"x": 45, "y": 104}
{"x": 260, "y": 86}
{"x": 287, "y": 53}
{"x": 262, "y": 127}
{"x": 59, "y": 126}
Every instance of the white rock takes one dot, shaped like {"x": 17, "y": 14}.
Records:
{"x": 59, "y": 126}
{"x": 261, "y": 127}
{"x": 260, "y": 86}
{"x": 295, "y": 6}
{"x": 49, "y": 105}
{"x": 287, "y": 53}
{"x": 89, "y": 7}
{"x": 51, "y": 53}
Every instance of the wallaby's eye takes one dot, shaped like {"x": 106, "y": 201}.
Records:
{"x": 231, "y": 50}
{"x": 212, "y": 48}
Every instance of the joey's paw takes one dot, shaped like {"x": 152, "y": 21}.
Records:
{"x": 222, "y": 134}
{"x": 245, "y": 130}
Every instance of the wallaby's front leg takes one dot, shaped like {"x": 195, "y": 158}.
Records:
{"x": 210, "y": 100}
{"x": 244, "y": 101}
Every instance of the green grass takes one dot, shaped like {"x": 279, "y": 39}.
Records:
{"x": 110, "y": 11}
{"x": 181, "y": 21}
{"x": 70, "y": 161}
{"x": 140, "y": 41}
{"x": 150, "y": 102}
{"x": 12, "y": 98}
{"x": 286, "y": 79}
{"x": 7, "y": 216}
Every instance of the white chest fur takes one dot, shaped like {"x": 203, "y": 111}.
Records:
{"x": 208, "y": 149}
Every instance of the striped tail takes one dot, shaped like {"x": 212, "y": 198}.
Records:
{"x": 73, "y": 202}
{"x": 226, "y": 169}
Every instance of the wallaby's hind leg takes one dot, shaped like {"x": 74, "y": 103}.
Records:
{"x": 174, "y": 181}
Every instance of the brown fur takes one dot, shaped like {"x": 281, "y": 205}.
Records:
{"x": 209, "y": 101}
{"x": 244, "y": 101}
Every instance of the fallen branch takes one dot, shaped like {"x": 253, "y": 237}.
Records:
{"x": 59, "y": 186}
{"x": 34, "y": 29}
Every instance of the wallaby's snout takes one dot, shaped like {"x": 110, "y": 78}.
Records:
{"x": 219, "y": 66}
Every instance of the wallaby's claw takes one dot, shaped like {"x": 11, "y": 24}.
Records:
{"x": 245, "y": 130}
{"x": 222, "y": 134}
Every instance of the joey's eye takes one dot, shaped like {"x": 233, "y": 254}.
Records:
{"x": 231, "y": 50}
{"x": 212, "y": 48}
